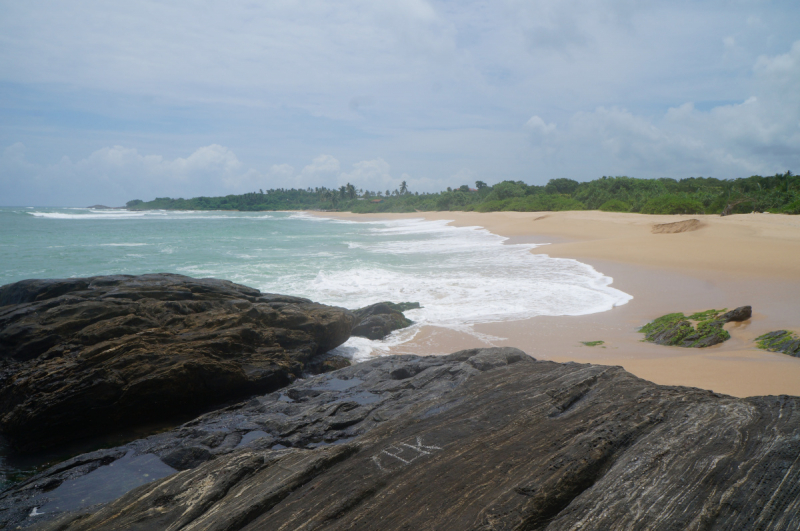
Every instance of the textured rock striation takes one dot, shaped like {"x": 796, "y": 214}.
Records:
{"x": 486, "y": 439}
{"x": 87, "y": 355}
{"x": 675, "y": 329}
{"x": 379, "y": 320}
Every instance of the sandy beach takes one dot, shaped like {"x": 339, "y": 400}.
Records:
{"x": 668, "y": 264}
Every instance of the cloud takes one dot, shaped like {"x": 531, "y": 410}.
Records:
{"x": 538, "y": 127}
{"x": 370, "y": 175}
{"x": 519, "y": 90}
{"x": 758, "y": 135}
{"x": 117, "y": 174}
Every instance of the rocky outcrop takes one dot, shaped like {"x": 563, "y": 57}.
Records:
{"x": 677, "y": 227}
{"x": 379, "y": 320}
{"x": 780, "y": 341}
{"x": 485, "y": 439}
{"x": 87, "y": 355}
{"x": 675, "y": 329}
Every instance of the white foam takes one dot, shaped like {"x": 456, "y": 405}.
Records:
{"x": 89, "y": 215}
{"x": 460, "y": 275}
{"x": 151, "y": 214}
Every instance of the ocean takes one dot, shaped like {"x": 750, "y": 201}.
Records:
{"x": 460, "y": 275}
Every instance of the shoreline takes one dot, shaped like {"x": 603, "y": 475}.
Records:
{"x": 748, "y": 259}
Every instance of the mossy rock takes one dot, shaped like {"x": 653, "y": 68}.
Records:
{"x": 675, "y": 329}
{"x": 593, "y": 343}
{"x": 780, "y": 341}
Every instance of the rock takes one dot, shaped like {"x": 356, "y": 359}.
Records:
{"x": 485, "y": 439}
{"x": 379, "y": 320}
{"x": 677, "y": 227}
{"x": 89, "y": 355}
{"x": 675, "y": 329}
{"x": 780, "y": 341}
{"x": 742, "y": 313}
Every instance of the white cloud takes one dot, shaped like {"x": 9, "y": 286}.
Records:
{"x": 117, "y": 174}
{"x": 538, "y": 127}
{"x": 759, "y": 135}
{"x": 370, "y": 175}
{"x": 512, "y": 90}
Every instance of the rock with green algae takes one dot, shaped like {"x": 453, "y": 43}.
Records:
{"x": 780, "y": 341}
{"x": 676, "y": 329}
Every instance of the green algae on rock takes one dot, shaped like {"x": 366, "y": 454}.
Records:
{"x": 676, "y": 329}
{"x": 593, "y": 343}
{"x": 780, "y": 341}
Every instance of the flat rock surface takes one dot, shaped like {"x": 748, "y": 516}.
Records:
{"x": 86, "y": 355}
{"x": 487, "y": 439}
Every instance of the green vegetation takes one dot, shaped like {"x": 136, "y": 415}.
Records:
{"x": 696, "y": 195}
{"x": 593, "y": 343}
{"x": 615, "y": 205}
{"x": 780, "y": 341}
{"x": 675, "y": 329}
{"x": 706, "y": 315}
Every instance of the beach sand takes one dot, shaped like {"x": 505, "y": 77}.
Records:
{"x": 715, "y": 262}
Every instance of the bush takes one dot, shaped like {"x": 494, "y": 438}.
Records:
{"x": 672, "y": 204}
{"x": 791, "y": 208}
{"x": 615, "y": 205}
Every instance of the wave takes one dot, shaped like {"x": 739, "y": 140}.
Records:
{"x": 146, "y": 214}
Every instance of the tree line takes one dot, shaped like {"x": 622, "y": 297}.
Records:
{"x": 779, "y": 193}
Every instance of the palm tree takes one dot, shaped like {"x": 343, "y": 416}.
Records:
{"x": 403, "y": 188}
{"x": 343, "y": 191}
{"x": 351, "y": 191}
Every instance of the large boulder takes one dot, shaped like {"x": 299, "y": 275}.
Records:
{"x": 89, "y": 355}
{"x": 487, "y": 439}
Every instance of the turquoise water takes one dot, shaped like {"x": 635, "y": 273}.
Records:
{"x": 461, "y": 276}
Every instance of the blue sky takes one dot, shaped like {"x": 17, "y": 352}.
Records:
{"x": 103, "y": 102}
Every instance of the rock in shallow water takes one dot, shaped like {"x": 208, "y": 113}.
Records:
{"x": 675, "y": 329}
{"x": 484, "y": 439}
{"x": 87, "y": 355}
{"x": 377, "y": 321}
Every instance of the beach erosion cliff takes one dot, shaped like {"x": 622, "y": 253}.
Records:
{"x": 480, "y": 439}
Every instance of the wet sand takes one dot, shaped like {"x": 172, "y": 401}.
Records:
{"x": 718, "y": 263}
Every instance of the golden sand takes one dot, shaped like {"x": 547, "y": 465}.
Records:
{"x": 669, "y": 264}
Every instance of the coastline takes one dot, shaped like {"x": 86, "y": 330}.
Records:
{"x": 749, "y": 259}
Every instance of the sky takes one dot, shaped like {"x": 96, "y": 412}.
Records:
{"x": 103, "y": 102}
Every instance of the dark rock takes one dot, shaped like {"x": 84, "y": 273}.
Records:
{"x": 88, "y": 355}
{"x": 486, "y": 439}
{"x": 187, "y": 457}
{"x": 780, "y": 341}
{"x": 742, "y": 313}
{"x": 675, "y": 329}
{"x": 379, "y": 320}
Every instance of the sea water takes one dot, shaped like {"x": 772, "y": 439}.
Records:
{"x": 460, "y": 275}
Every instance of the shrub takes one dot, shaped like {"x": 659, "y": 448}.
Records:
{"x": 791, "y": 208}
{"x": 615, "y": 205}
{"x": 672, "y": 204}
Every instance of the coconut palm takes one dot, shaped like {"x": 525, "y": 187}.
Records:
{"x": 403, "y": 188}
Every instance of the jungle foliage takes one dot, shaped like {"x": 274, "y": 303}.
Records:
{"x": 695, "y": 195}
